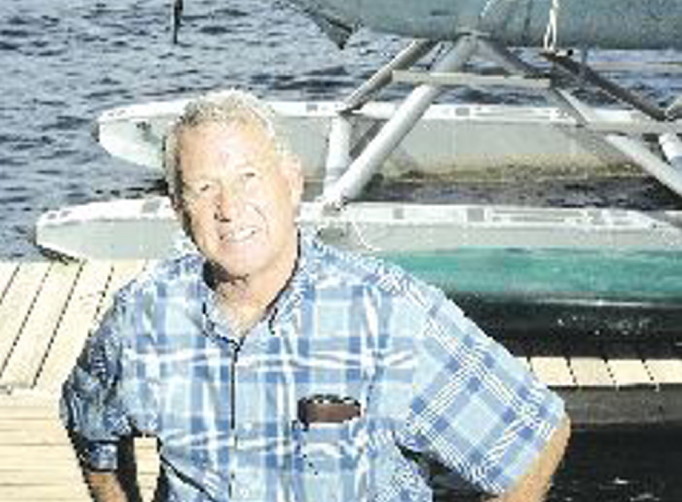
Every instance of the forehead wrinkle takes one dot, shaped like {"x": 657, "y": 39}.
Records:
{"x": 261, "y": 151}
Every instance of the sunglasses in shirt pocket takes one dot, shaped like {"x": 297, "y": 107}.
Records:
{"x": 330, "y": 440}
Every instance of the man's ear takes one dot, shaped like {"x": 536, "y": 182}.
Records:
{"x": 185, "y": 222}
{"x": 179, "y": 209}
{"x": 176, "y": 202}
{"x": 173, "y": 182}
{"x": 293, "y": 171}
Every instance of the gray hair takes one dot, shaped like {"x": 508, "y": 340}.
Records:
{"x": 232, "y": 106}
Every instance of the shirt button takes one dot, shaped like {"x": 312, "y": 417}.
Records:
{"x": 243, "y": 490}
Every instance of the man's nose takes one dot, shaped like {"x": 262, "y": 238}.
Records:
{"x": 230, "y": 203}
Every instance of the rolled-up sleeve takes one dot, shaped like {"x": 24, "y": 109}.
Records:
{"x": 475, "y": 407}
{"x": 91, "y": 405}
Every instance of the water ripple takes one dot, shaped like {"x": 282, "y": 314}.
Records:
{"x": 214, "y": 30}
{"x": 8, "y": 46}
{"x": 15, "y": 33}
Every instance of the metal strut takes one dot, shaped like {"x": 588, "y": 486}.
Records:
{"x": 404, "y": 59}
{"x": 403, "y": 120}
{"x": 340, "y": 133}
{"x": 668, "y": 173}
{"x": 584, "y": 72}
{"x": 342, "y": 184}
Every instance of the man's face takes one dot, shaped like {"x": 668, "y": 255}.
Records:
{"x": 238, "y": 198}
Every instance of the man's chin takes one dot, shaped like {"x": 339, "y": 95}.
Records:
{"x": 228, "y": 272}
{"x": 232, "y": 266}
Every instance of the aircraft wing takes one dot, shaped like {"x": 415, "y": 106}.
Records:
{"x": 333, "y": 23}
{"x": 608, "y": 24}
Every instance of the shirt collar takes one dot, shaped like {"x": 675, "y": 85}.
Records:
{"x": 305, "y": 273}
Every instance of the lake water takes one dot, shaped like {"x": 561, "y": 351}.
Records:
{"x": 65, "y": 61}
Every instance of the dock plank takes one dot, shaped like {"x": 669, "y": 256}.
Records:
{"x": 7, "y": 270}
{"x": 123, "y": 272}
{"x": 663, "y": 363}
{"x": 16, "y": 304}
{"x": 33, "y": 342}
{"x": 626, "y": 366}
{"x": 56, "y": 474}
{"x": 43, "y": 464}
{"x": 43, "y": 433}
{"x": 549, "y": 364}
{"x": 147, "y": 460}
{"x": 28, "y": 405}
{"x": 46, "y": 493}
{"x": 589, "y": 366}
{"x": 77, "y": 321}
{"x": 32, "y": 457}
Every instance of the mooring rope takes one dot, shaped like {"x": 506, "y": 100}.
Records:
{"x": 322, "y": 222}
{"x": 176, "y": 19}
{"x": 551, "y": 33}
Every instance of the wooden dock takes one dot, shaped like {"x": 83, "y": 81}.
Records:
{"x": 47, "y": 310}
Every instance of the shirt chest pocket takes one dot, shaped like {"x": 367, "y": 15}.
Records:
{"x": 330, "y": 460}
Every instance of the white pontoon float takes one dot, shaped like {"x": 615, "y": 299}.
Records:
{"x": 596, "y": 260}
{"x": 580, "y": 263}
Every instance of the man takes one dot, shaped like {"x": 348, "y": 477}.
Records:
{"x": 273, "y": 368}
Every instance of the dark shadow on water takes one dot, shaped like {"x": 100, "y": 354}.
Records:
{"x": 615, "y": 467}
{"x": 633, "y": 466}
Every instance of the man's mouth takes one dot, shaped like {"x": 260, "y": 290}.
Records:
{"x": 239, "y": 235}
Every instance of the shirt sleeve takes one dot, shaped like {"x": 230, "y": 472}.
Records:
{"x": 475, "y": 407}
{"x": 91, "y": 404}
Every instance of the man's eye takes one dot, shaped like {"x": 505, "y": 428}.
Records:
{"x": 202, "y": 189}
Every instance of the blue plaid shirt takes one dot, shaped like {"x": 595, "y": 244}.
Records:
{"x": 164, "y": 362}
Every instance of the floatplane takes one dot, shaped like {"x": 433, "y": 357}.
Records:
{"x": 602, "y": 269}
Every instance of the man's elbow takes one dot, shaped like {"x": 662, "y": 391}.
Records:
{"x": 559, "y": 440}
{"x": 551, "y": 455}
{"x": 534, "y": 485}
{"x": 561, "y": 434}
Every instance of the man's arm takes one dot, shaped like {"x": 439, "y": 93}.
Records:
{"x": 533, "y": 486}
{"x": 105, "y": 486}
{"x": 93, "y": 413}
{"x": 117, "y": 485}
